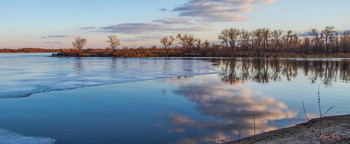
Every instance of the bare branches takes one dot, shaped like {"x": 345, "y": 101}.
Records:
{"x": 276, "y": 39}
{"x": 328, "y": 34}
{"x": 245, "y": 40}
{"x": 167, "y": 42}
{"x": 79, "y": 43}
{"x": 113, "y": 42}
{"x": 187, "y": 40}
{"x": 230, "y": 37}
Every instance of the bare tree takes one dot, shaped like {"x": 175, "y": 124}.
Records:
{"x": 316, "y": 40}
{"x": 206, "y": 44}
{"x": 306, "y": 45}
{"x": 245, "y": 38}
{"x": 187, "y": 41}
{"x": 266, "y": 36}
{"x": 257, "y": 39}
{"x": 79, "y": 43}
{"x": 290, "y": 41}
{"x": 233, "y": 35}
{"x": 198, "y": 47}
{"x": 230, "y": 36}
{"x": 328, "y": 37}
{"x": 113, "y": 42}
{"x": 224, "y": 37}
{"x": 345, "y": 41}
{"x": 167, "y": 42}
{"x": 276, "y": 39}
{"x": 296, "y": 42}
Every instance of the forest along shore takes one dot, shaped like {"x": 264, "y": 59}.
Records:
{"x": 332, "y": 129}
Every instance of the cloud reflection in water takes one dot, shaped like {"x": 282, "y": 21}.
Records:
{"x": 233, "y": 108}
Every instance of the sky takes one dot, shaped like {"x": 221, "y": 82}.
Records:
{"x": 56, "y": 23}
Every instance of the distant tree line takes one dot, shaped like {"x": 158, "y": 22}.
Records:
{"x": 234, "y": 42}
{"x": 264, "y": 40}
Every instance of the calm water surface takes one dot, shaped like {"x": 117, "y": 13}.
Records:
{"x": 158, "y": 100}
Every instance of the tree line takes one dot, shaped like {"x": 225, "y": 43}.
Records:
{"x": 264, "y": 40}
{"x": 234, "y": 42}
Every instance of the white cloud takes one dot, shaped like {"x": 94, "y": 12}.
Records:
{"x": 219, "y": 10}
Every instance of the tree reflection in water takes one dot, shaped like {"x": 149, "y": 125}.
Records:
{"x": 264, "y": 70}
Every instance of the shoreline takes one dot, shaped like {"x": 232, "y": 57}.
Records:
{"x": 236, "y": 55}
{"x": 341, "y": 55}
{"x": 335, "y": 129}
{"x": 139, "y": 53}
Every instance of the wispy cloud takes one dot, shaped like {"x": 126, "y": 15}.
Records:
{"x": 133, "y": 28}
{"x": 52, "y": 43}
{"x": 218, "y": 10}
{"x": 142, "y": 38}
{"x": 55, "y": 36}
{"x": 174, "y": 20}
{"x": 137, "y": 28}
{"x": 87, "y": 28}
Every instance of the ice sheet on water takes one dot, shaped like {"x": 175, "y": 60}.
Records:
{"x": 7, "y": 137}
{"x": 25, "y": 74}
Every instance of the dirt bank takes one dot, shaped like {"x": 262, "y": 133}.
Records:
{"x": 335, "y": 129}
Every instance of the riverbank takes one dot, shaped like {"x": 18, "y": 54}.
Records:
{"x": 174, "y": 52}
{"x": 335, "y": 129}
{"x": 27, "y": 50}
{"x": 159, "y": 53}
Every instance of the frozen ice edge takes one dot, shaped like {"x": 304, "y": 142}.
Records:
{"x": 23, "y": 94}
{"x": 7, "y": 137}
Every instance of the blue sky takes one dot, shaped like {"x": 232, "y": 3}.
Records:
{"x": 55, "y": 23}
